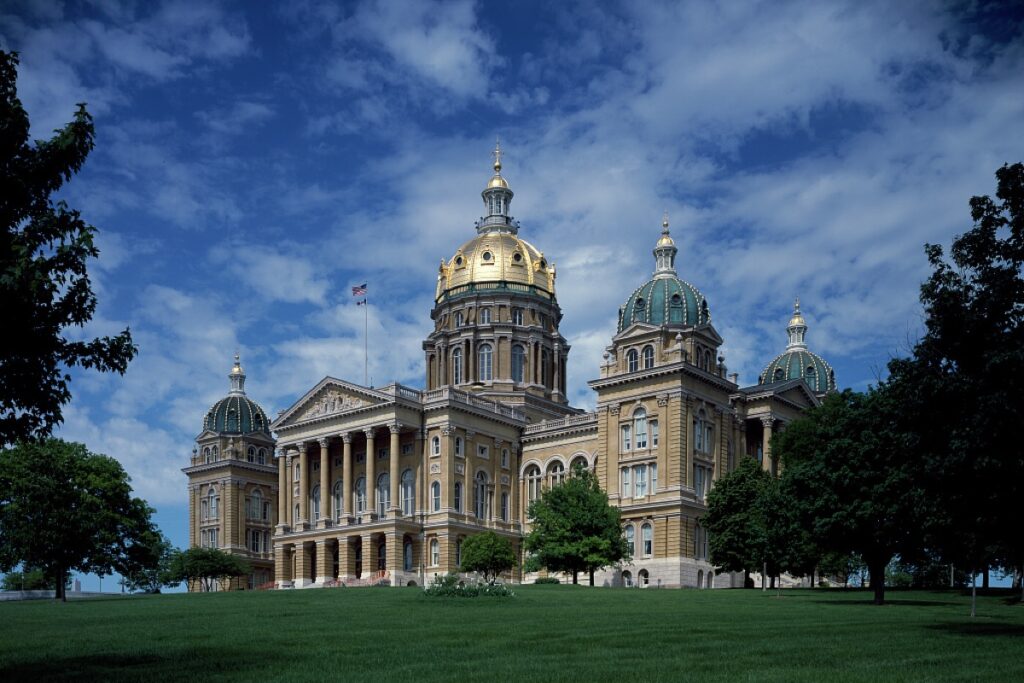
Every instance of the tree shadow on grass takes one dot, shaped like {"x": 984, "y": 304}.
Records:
{"x": 890, "y": 603}
{"x": 189, "y": 665}
{"x": 980, "y": 628}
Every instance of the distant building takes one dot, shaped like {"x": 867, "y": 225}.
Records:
{"x": 385, "y": 484}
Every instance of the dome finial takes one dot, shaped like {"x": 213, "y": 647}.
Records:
{"x": 497, "y": 155}
{"x": 665, "y": 251}
{"x": 797, "y": 328}
{"x": 664, "y": 223}
{"x": 237, "y": 377}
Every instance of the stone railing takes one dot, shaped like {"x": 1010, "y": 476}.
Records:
{"x": 584, "y": 420}
{"x": 466, "y": 398}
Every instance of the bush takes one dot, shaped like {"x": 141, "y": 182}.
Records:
{"x": 547, "y": 579}
{"x": 451, "y": 586}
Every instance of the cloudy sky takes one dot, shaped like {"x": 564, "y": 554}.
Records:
{"x": 252, "y": 164}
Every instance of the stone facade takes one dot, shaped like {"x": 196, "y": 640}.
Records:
{"x": 382, "y": 485}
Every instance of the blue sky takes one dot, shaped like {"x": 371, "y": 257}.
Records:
{"x": 254, "y": 162}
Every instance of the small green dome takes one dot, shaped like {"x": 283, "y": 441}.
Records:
{"x": 793, "y": 364}
{"x": 236, "y": 415}
{"x": 665, "y": 300}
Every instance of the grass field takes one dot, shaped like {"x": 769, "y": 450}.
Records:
{"x": 545, "y": 633}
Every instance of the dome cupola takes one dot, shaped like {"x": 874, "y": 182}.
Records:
{"x": 236, "y": 413}
{"x": 497, "y": 197}
{"x": 665, "y": 299}
{"x": 797, "y": 361}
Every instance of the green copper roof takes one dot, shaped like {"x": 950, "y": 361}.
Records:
{"x": 794, "y": 364}
{"x": 236, "y": 414}
{"x": 665, "y": 300}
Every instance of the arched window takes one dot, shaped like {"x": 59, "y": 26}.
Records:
{"x": 206, "y": 455}
{"x": 215, "y": 456}
{"x": 339, "y": 499}
{"x": 383, "y": 493}
{"x": 485, "y": 368}
{"x": 556, "y": 473}
{"x": 710, "y": 580}
{"x": 314, "y": 501}
{"x": 458, "y": 496}
{"x": 296, "y": 467}
{"x": 627, "y": 579}
{"x": 532, "y": 483}
{"x": 647, "y": 539}
{"x": 213, "y": 502}
{"x": 648, "y": 357}
{"x": 435, "y": 446}
{"x": 261, "y": 458}
{"x": 700, "y": 578}
{"x": 504, "y": 506}
{"x": 360, "y": 495}
{"x": 408, "y": 492}
{"x": 250, "y": 455}
{"x": 435, "y": 552}
{"x": 407, "y": 555}
{"x": 644, "y": 578}
{"x": 518, "y": 363}
{"x": 382, "y": 556}
{"x": 578, "y": 463}
{"x": 640, "y": 427}
{"x": 485, "y": 316}
{"x": 481, "y": 495}
{"x": 631, "y": 539}
{"x": 632, "y": 360}
{"x": 708, "y": 362}
{"x": 295, "y": 516}
{"x": 435, "y": 496}
{"x": 457, "y": 366}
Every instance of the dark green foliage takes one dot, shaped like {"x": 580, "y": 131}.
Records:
{"x": 839, "y": 566}
{"x": 489, "y": 554}
{"x": 547, "y": 580}
{"x": 63, "y": 508}
{"x": 28, "y": 580}
{"x": 205, "y": 567}
{"x": 44, "y": 283}
{"x": 147, "y": 566}
{"x": 451, "y": 586}
{"x": 853, "y": 482}
{"x": 574, "y": 528}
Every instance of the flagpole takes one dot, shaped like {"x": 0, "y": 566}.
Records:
{"x": 366, "y": 343}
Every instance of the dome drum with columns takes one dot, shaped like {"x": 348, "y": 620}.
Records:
{"x": 382, "y": 485}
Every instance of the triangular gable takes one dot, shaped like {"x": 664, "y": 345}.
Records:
{"x": 635, "y": 329}
{"x": 328, "y": 397}
{"x": 795, "y": 391}
{"x": 800, "y": 394}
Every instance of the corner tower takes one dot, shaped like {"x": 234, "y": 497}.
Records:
{"x": 496, "y": 316}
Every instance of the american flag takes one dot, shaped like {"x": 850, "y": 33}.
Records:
{"x": 359, "y": 290}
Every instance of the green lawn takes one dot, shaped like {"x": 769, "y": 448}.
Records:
{"x": 545, "y": 633}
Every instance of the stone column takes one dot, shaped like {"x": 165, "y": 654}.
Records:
{"x": 419, "y": 470}
{"x": 371, "y": 478}
{"x": 302, "y": 565}
{"x": 614, "y": 455}
{"x": 323, "y": 560}
{"x": 303, "y": 483}
{"x": 282, "y": 484}
{"x": 468, "y": 494}
{"x": 346, "y": 557}
{"x": 282, "y": 565}
{"x": 395, "y": 475}
{"x": 325, "y": 484}
{"x": 369, "y": 556}
{"x": 766, "y": 450}
{"x": 348, "y": 490}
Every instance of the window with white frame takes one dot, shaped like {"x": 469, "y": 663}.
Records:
{"x": 458, "y": 447}
{"x": 383, "y": 493}
{"x": 435, "y": 552}
{"x": 214, "y": 503}
{"x": 504, "y": 458}
{"x": 408, "y": 492}
{"x": 206, "y": 455}
{"x": 435, "y": 446}
{"x": 533, "y": 479}
{"x": 254, "y": 508}
{"x": 481, "y": 495}
{"x": 360, "y": 495}
{"x": 627, "y": 490}
{"x": 261, "y": 457}
{"x": 457, "y": 366}
{"x": 631, "y": 539}
{"x": 296, "y": 468}
{"x": 701, "y": 480}
{"x": 640, "y": 427}
{"x": 641, "y": 480}
{"x": 518, "y": 363}
{"x": 627, "y": 438}
{"x": 483, "y": 451}
{"x": 314, "y": 499}
{"x": 654, "y": 478}
{"x": 652, "y": 427}
{"x": 556, "y": 473}
{"x": 700, "y": 543}
{"x": 484, "y": 368}
{"x": 578, "y": 463}
{"x": 339, "y": 499}
{"x": 517, "y": 316}
{"x": 648, "y": 354}
{"x": 504, "y": 507}
{"x": 250, "y": 454}
{"x": 647, "y": 539}
{"x": 485, "y": 316}
{"x": 435, "y": 496}
{"x": 458, "y": 496}
{"x": 458, "y": 319}
{"x": 214, "y": 454}
{"x": 632, "y": 360}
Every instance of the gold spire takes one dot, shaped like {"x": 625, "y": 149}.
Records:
{"x": 666, "y": 239}
{"x": 798, "y": 318}
{"x": 497, "y": 155}
{"x": 237, "y": 369}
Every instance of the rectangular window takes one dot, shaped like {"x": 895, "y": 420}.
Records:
{"x": 504, "y": 458}
{"x": 458, "y": 447}
{"x": 382, "y": 453}
{"x": 701, "y": 475}
{"x": 213, "y": 538}
{"x": 254, "y": 541}
{"x": 654, "y": 433}
{"x": 406, "y": 448}
{"x": 360, "y": 457}
{"x": 517, "y": 316}
{"x": 316, "y": 465}
{"x": 504, "y": 507}
{"x": 482, "y": 452}
{"x": 266, "y": 511}
{"x": 626, "y": 491}
{"x": 641, "y": 481}
{"x": 654, "y": 479}
{"x": 204, "y": 510}
{"x": 627, "y": 439}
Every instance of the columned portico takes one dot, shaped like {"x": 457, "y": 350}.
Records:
{"x": 394, "y": 475}
{"x": 371, "y": 475}
{"x": 325, "y": 485}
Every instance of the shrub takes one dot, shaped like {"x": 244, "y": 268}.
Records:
{"x": 451, "y": 586}
{"x": 547, "y": 579}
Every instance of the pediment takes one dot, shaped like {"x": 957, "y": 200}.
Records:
{"x": 329, "y": 397}
{"x": 800, "y": 394}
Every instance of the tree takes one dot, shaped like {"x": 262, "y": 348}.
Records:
{"x": 63, "y": 508}
{"x": 147, "y": 565}
{"x": 205, "y": 567}
{"x": 969, "y": 368}
{"x": 489, "y": 554}
{"x": 26, "y": 580}
{"x": 44, "y": 282}
{"x": 854, "y": 479}
{"x": 735, "y": 519}
{"x": 574, "y": 529}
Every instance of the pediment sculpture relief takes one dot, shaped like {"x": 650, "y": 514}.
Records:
{"x": 332, "y": 402}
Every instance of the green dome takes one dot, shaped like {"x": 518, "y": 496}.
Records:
{"x": 665, "y": 300}
{"x": 818, "y": 374}
{"x": 236, "y": 415}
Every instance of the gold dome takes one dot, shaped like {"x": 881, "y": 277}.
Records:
{"x": 665, "y": 240}
{"x": 798, "y": 318}
{"x": 494, "y": 257}
{"x": 497, "y": 181}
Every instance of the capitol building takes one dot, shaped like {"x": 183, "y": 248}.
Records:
{"x": 355, "y": 485}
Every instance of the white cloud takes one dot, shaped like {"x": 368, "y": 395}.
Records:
{"x": 273, "y": 274}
